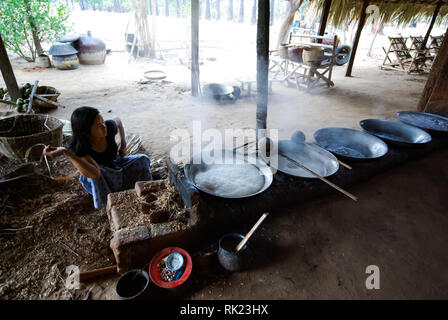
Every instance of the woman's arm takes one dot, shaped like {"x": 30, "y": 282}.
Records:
{"x": 122, "y": 136}
{"x": 85, "y": 165}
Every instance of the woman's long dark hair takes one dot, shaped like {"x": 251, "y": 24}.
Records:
{"x": 82, "y": 120}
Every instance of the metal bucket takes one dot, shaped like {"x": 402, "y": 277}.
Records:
{"x": 227, "y": 255}
{"x": 133, "y": 285}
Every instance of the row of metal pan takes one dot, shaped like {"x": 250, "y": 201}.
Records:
{"x": 349, "y": 144}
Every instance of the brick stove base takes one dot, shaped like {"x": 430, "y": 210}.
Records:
{"x": 134, "y": 245}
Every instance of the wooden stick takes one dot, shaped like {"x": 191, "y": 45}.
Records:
{"x": 341, "y": 163}
{"x": 68, "y": 248}
{"x": 321, "y": 178}
{"x": 88, "y": 275}
{"x": 30, "y": 104}
{"x": 249, "y": 234}
{"x": 38, "y": 96}
{"x": 8, "y": 102}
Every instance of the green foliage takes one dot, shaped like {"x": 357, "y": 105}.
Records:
{"x": 50, "y": 18}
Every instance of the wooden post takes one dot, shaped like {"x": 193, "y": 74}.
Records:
{"x": 435, "y": 78}
{"x": 361, "y": 23}
{"x": 8, "y": 73}
{"x": 431, "y": 25}
{"x": 195, "y": 82}
{"x": 324, "y": 18}
{"x": 262, "y": 67}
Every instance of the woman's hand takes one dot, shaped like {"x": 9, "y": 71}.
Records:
{"x": 54, "y": 152}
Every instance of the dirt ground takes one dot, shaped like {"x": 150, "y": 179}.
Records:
{"x": 319, "y": 250}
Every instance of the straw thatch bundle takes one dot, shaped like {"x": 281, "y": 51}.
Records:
{"x": 401, "y": 12}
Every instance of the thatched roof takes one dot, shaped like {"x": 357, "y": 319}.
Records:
{"x": 401, "y": 12}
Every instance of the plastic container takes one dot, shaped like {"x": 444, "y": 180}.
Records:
{"x": 172, "y": 286}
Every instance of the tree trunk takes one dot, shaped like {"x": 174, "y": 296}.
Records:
{"x": 435, "y": 74}
{"x": 262, "y": 68}
{"x": 207, "y": 10}
{"x": 157, "y": 8}
{"x": 34, "y": 30}
{"x": 241, "y": 16}
{"x": 82, "y": 5}
{"x": 8, "y": 73}
{"x": 287, "y": 23}
{"x": 253, "y": 19}
{"x": 230, "y": 10}
{"x": 218, "y": 9}
{"x": 167, "y": 8}
{"x": 150, "y": 6}
{"x": 195, "y": 80}
{"x": 177, "y": 9}
{"x": 271, "y": 14}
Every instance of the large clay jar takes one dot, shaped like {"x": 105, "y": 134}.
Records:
{"x": 91, "y": 50}
{"x": 64, "y": 56}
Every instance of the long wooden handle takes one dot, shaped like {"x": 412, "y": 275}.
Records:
{"x": 249, "y": 234}
{"x": 322, "y": 178}
{"x": 83, "y": 276}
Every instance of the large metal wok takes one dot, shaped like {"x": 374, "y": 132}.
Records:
{"x": 395, "y": 131}
{"x": 220, "y": 91}
{"x": 428, "y": 121}
{"x": 350, "y": 143}
{"x": 308, "y": 155}
{"x": 225, "y": 163}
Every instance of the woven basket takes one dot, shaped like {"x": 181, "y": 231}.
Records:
{"x": 19, "y": 133}
{"x": 46, "y": 90}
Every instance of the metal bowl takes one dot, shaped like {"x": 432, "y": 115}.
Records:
{"x": 309, "y": 155}
{"x": 428, "y": 121}
{"x": 227, "y": 160}
{"x": 351, "y": 143}
{"x": 216, "y": 90}
{"x": 395, "y": 131}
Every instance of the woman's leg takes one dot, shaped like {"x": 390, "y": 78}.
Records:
{"x": 135, "y": 168}
{"x": 109, "y": 181}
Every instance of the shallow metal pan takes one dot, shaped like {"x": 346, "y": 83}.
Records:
{"x": 309, "y": 155}
{"x": 229, "y": 158}
{"x": 428, "y": 121}
{"x": 350, "y": 143}
{"x": 396, "y": 132}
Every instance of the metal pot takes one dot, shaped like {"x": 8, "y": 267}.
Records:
{"x": 227, "y": 255}
{"x": 64, "y": 56}
{"x": 91, "y": 50}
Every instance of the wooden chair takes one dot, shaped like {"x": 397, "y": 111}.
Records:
{"x": 436, "y": 43}
{"x": 416, "y": 47}
{"x": 404, "y": 60}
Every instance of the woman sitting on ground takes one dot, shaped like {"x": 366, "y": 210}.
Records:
{"x": 93, "y": 151}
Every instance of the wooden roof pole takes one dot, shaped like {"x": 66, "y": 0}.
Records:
{"x": 434, "y": 82}
{"x": 431, "y": 25}
{"x": 361, "y": 23}
{"x": 8, "y": 73}
{"x": 195, "y": 82}
{"x": 324, "y": 18}
{"x": 262, "y": 67}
